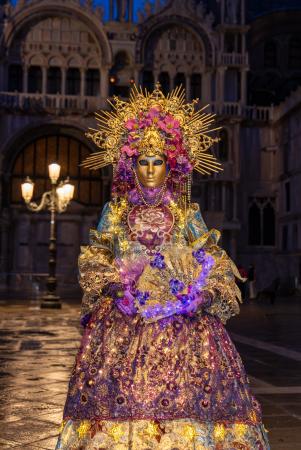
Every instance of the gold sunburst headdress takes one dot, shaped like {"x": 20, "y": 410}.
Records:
{"x": 152, "y": 123}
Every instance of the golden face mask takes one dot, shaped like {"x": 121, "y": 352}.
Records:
{"x": 151, "y": 170}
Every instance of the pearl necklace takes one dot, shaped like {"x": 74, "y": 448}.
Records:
{"x": 159, "y": 196}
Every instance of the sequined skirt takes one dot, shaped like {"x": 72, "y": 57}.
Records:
{"x": 175, "y": 384}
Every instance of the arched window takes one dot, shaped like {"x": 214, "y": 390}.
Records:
{"x": 120, "y": 75}
{"x": 254, "y": 225}
{"x": 294, "y": 53}
{"x": 164, "y": 80}
{"x": 223, "y": 146}
{"x": 148, "y": 80}
{"x": 15, "y": 78}
{"x": 92, "y": 82}
{"x": 34, "y": 79}
{"x": 180, "y": 80}
{"x": 261, "y": 221}
{"x": 54, "y": 80}
{"x": 270, "y": 54}
{"x": 73, "y": 81}
{"x": 268, "y": 224}
{"x": 196, "y": 85}
{"x": 33, "y": 161}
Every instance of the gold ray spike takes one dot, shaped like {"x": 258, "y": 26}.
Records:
{"x": 195, "y": 126}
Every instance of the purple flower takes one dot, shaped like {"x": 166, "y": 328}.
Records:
{"x": 141, "y": 296}
{"x": 199, "y": 255}
{"x": 176, "y": 286}
{"x": 185, "y": 299}
{"x": 158, "y": 261}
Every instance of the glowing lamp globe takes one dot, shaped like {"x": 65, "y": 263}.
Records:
{"x": 27, "y": 189}
{"x": 54, "y": 172}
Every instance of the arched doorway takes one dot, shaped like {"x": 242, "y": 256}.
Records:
{"x": 29, "y": 232}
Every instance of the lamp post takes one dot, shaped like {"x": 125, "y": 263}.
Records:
{"x": 56, "y": 201}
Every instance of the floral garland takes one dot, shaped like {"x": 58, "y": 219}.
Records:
{"x": 168, "y": 129}
{"x": 179, "y": 303}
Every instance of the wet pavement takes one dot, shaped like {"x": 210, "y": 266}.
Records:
{"x": 37, "y": 349}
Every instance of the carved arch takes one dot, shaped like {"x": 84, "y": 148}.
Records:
{"x": 155, "y": 24}
{"x": 38, "y": 11}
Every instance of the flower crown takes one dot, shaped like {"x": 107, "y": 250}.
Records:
{"x": 152, "y": 123}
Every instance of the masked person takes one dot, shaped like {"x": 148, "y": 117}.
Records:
{"x": 156, "y": 368}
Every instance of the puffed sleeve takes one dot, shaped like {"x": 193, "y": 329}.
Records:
{"x": 221, "y": 282}
{"x": 97, "y": 268}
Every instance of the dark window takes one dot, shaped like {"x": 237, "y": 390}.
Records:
{"x": 165, "y": 82}
{"x": 15, "y": 78}
{"x": 172, "y": 44}
{"x": 232, "y": 85}
{"x": 73, "y": 81}
{"x": 229, "y": 42}
{"x": 270, "y": 54}
{"x": 261, "y": 220}
{"x": 223, "y": 146}
{"x": 92, "y": 82}
{"x": 294, "y": 53}
{"x": 54, "y": 80}
{"x": 34, "y": 79}
{"x": 295, "y": 238}
{"x": 121, "y": 91}
{"x": 180, "y": 80}
{"x": 254, "y": 225}
{"x": 121, "y": 61}
{"x": 196, "y": 85}
{"x": 287, "y": 196}
{"x": 268, "y": 225}
{"x": 285, "y": 237}
{"x": 117, "y": 76}
{"x": 148, "y": 80}
{"x": 286, "y": 156}
{"x": 33, "y": 161}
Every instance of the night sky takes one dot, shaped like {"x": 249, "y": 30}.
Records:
{"x": 138, "y": 4}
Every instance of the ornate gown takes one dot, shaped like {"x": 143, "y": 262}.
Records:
{"x": 173, "y": 383}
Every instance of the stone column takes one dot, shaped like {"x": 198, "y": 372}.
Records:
{"x": 63, "y": 83}
{"x": 104, "y": 83}
{"x": 243, "y": 86}
{"x": 44, "y": 80}
{"x": 82, "y": 82}
{"x": 130, "y": 10}
{"x": 136, "y": 76}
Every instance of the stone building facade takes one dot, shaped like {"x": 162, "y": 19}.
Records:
{"x": 60, "y": 60}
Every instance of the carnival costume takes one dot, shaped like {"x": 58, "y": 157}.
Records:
{"x": 156, "y": 369}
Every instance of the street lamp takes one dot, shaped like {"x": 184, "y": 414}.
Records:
{"x": 56, "y": 201}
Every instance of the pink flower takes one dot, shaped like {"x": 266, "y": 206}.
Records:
{"x": 130, "y": 151}
{"x": 143, "y": 123}
{"x": 169, "y": 124}
{"x": 153, "y": 115}
{"x": 131, "y": 124}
